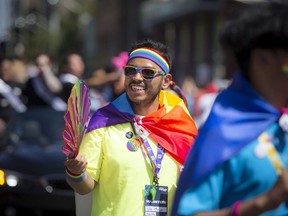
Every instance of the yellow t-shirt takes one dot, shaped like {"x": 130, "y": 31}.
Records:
{"x": 121, "y": 174}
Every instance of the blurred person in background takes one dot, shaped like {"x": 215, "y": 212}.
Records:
{"x": 190, "y": 90}
{"x": 114, "y": 78}
{"x": 101, "y": 86}
{"x": 11, "y": 99}
{"x": 43, "y": 87}
{"x": 19, "y": 69}
{"x": 134, "y": 148}
{"x": 238, "y": 165}
{"x": 203, "y": 102}
{"x": 204, "y": 99}
{"x": 97, "y": 83}
{"x": 13, "y": 72}
{"x": 119, "y": 62}
{"x": 73, "y": 69}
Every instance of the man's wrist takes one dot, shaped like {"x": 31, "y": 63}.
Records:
{"x": 235, "y": 208}
{"x": 255, "y": 206}
{"x": 74, "y": 177}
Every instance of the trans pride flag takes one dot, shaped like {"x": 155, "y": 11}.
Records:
{"x": 171, "y": 126}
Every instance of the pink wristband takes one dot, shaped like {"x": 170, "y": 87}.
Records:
{"x": 235, "y": 208}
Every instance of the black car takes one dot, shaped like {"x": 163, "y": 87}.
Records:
{"x": 32, "y": 174}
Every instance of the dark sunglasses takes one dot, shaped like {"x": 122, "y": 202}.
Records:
{"x": 146, "y": 73}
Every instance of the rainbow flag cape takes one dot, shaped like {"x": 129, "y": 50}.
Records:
{"x": 238, "y": 116}
{"x": 171, "y": 126}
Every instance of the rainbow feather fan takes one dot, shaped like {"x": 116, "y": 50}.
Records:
{"x": 76, "y": 118}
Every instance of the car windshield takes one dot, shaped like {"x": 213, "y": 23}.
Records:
{"x": 36, "y": 126}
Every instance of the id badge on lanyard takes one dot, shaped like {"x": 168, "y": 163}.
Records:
{"x": 156, "y": 206}
{"x": 155, "y": 196}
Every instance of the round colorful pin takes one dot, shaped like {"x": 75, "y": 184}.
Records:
{"x": 133, "y": 144}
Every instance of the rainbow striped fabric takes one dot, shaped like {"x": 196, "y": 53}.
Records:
{"x": 151, "y": 55}
{"x": 171, "y": 126}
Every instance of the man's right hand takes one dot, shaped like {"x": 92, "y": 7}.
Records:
{"x": 76, "y": 165}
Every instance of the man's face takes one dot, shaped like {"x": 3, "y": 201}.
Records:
{"x": 282, "y": 76}
{"x": 139, "y": 90}
{"x": 268, "y": 75}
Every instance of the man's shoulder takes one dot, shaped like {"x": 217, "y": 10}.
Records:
{"x": 107, "y": 116}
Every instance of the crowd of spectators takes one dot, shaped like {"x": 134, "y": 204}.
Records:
{"x": 45, "y": 82}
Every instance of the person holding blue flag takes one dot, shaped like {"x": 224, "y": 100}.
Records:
{"x": 238, "y": 164}
{"x": 134, "y": 148}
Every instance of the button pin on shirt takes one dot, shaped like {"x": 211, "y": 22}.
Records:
{"x": 283, "y": 122}
{"x": 129, "y": 135}
{"x": 260, "y": 150}
{"x": 133, "y": 145}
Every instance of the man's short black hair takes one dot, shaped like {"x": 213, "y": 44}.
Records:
{"x": 154, "y": 45}
{"x": 262, "y": 25}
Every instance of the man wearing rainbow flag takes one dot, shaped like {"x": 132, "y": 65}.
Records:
{"x": 134, "y": 148}
{"x": 238, "y": 164}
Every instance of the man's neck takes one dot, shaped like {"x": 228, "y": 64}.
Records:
{"x": 144, "y": 110}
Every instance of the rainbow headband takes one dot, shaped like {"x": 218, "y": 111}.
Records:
{"x": 151, "y": 55}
